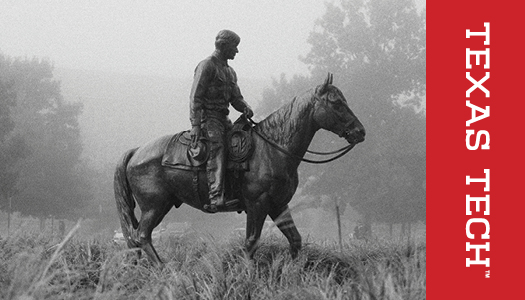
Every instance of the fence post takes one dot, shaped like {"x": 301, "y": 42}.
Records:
{"x": 339, "y": 224}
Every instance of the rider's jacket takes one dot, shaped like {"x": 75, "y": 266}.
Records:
{"x": 214, "y": 89}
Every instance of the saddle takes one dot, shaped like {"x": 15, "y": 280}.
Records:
{"x": 179, "y": 155}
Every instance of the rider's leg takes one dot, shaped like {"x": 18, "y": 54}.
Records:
{"x": 216, "y": 162}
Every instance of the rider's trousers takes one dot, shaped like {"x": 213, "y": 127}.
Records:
{"x": 216, "y": 129}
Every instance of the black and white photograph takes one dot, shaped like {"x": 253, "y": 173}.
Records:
{"x": 213, "y": 149}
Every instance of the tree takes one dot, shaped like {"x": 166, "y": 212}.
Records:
{"x": 12, "y": 147}
{"x": 376, "y": 50}
{"x": 51, "y": 180}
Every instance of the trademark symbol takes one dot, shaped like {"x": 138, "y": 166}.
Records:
{"x": 487, "y": 274}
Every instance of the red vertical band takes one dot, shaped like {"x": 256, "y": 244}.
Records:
{"x": 475, "y": 123}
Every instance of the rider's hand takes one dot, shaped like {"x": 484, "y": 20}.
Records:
{"x": 195, "y": 134}
{"x": 248, "y": 112}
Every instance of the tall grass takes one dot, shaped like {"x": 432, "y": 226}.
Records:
{"x": 36, "y": 266}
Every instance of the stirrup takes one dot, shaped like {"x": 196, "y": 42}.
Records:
{"x": 231, "y": 202}
{"x": 213, "y": 208}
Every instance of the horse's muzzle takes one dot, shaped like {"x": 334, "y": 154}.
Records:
{"x": 354, "y": 136}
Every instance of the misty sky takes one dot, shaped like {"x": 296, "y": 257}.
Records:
{"x": 159, "y": 37}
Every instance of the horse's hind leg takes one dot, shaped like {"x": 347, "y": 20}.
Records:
{"x": 150, "y": 218}
{"x": 283, "y": 220}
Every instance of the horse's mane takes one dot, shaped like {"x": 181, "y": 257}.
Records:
{"x": 280, "y": 125}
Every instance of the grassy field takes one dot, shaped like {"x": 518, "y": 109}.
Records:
{"x": 40, "y": 266}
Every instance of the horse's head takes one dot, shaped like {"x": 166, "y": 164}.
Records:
{"x": 332, "y": 113}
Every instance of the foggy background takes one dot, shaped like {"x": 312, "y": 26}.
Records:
{"x": 124, "y": 71}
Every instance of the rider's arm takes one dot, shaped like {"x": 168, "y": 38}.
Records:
{"x": 201, "y": 79}
{"x": 237, "y": 100}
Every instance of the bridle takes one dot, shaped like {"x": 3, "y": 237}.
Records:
{"x": 341, "y": 151}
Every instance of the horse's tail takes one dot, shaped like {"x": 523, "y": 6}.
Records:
{"x": 124, "y": 199}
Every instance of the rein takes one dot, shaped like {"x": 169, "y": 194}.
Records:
{"x": 343, "y": 150}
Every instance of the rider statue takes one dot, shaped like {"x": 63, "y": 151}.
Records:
{"x": 214, "y": 89}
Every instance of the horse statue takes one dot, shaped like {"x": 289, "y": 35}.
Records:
{"x": 266, "y": 188}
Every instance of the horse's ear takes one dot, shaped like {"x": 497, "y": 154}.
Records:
{"x": 329, "y": 80}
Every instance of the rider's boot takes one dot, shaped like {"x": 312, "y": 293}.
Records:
{"x": 216, "y": 194}
{"x": 216, "y": 204}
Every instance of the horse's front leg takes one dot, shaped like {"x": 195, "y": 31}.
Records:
{"x": 255, "y": 215}
{"x": 283, "y": 219}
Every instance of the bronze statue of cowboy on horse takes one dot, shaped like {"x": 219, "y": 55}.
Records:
{"x": 163, "y": 173}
